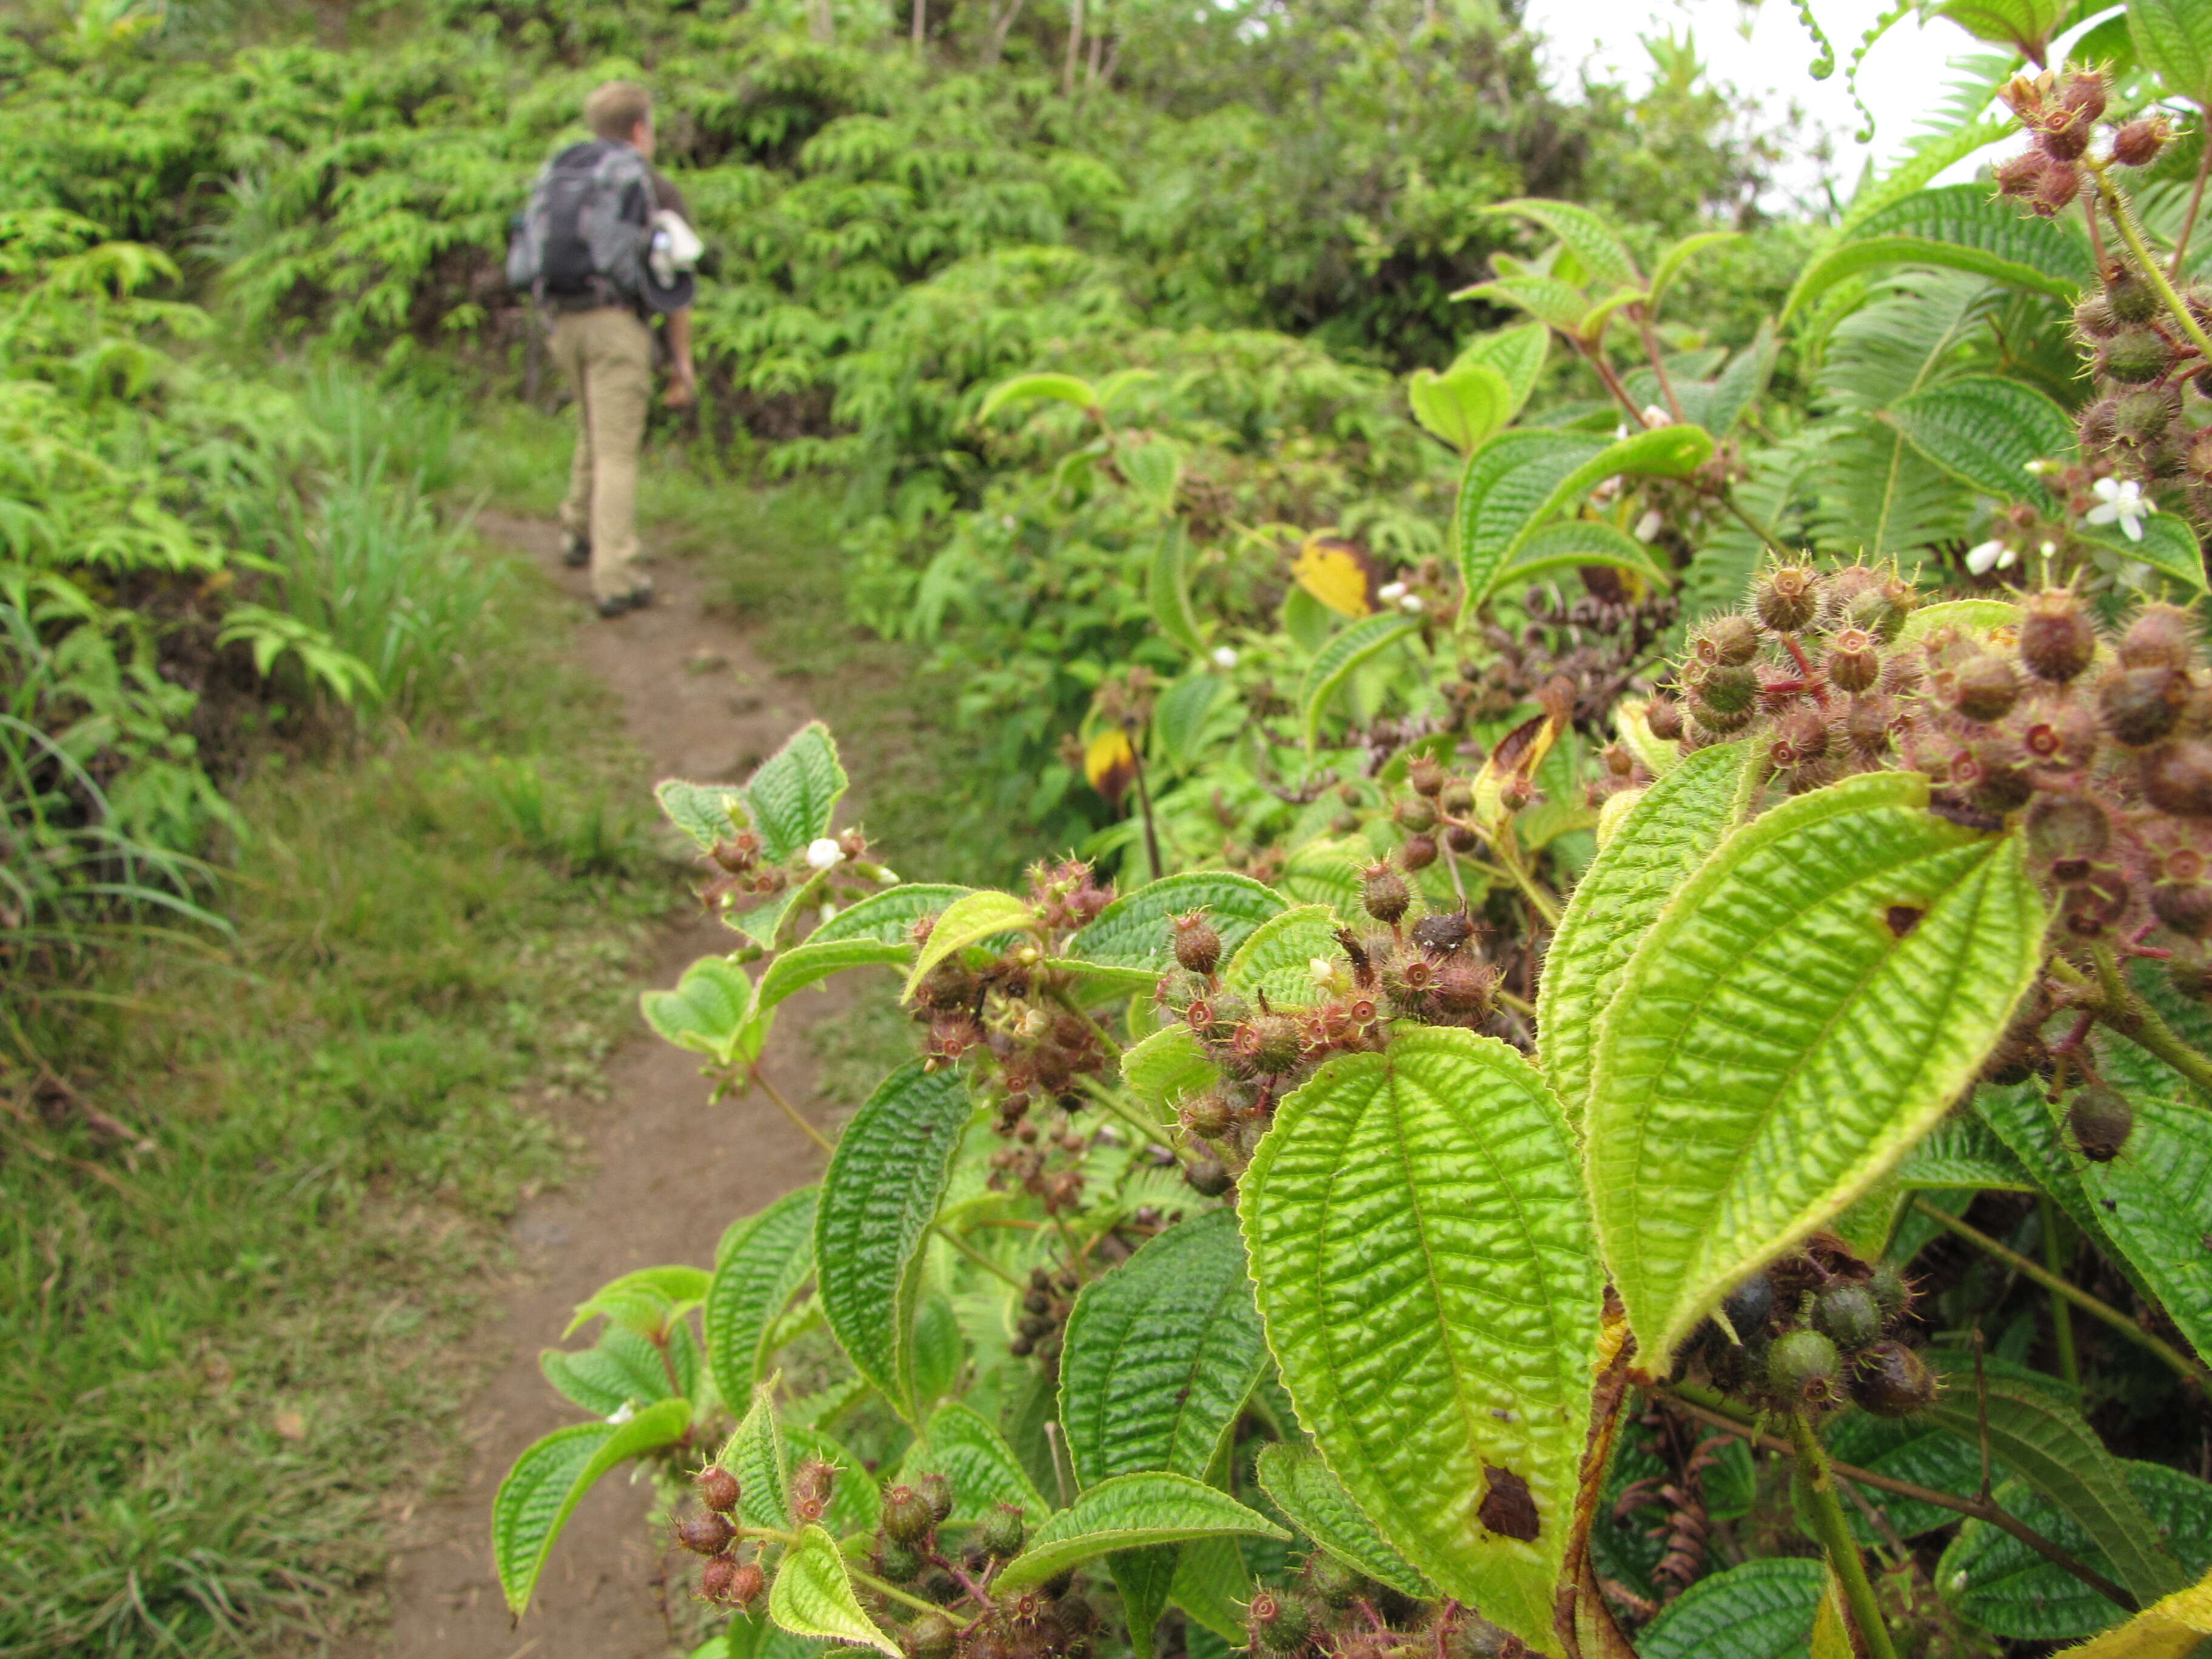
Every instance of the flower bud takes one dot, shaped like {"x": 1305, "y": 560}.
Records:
{"x": 2137, "y": 144}
{"x": 1333, "y": 1584}
{"x": 1419, "y": 853}
{"x": 1848, "y": 1316}
{"x": 2056, "y": 641}
{"x": 2139, "y": 706}
{"x": 1892, "y": 1291}
{"x": 2060, "y": 183}
{"x": 1197, "y": 945}
{"x": 1207, "y": 1175}
{"x": 2101, "y": 1121}
{"x": 705, "y": 1532}
{"x": 1426, "y": 775}
{"x": 1383, "y": 891}
{"x": 2133, "y": 356}
{"x": 1731, "y": 639}
{"x": 2066, "y": 830}
{"x": 2184, "y": 906}
{"x": 1785, "y": 598}
{"x": 1854, "y": 664}
{"x": 931, "y": 1636}
{"x": 1664, "y": 717}
{"x": 2082, "y": 96}
{"x": 1984, "y": 688}
{"x": 936, "y": 1491}
{"x": 2019, "y": 175}
{"x": 2177, "y": 777}
{"x": 1208, "y": 1114}
{"x": 1272, "y": 1042}
{"x": 1460, "y": 839}
{"x": 2144, "y": 415}
{"x": 2160, "y": 636}
{"x": 2093, "y": 317}
{"x": 1891, "y": 1380}
{"x": 1867, "y": 725}
{"x": 1800, "y": 738}
{"x": 1803, "y": 1367}
{"x": 1277, "y": 1624}
{"x": 1000, "y": 1533}
{"x": 1457, "y": 799}
{"x": 717, "y": 1488}
{"x": 1725, "y": 699}
{"x": 907, "y": 1517}
{"x": 1416, "y": 813}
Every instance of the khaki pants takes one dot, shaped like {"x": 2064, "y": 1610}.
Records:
{"x": 607, "y": 356}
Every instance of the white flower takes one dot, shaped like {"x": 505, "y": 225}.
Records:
{"x": 1225, "y": 656}
{"x": 1655, "y": 416}
{"x": 1323, "y": 970}
{"x": 1391, "y": 592}
{"x": 2123, "y": 504}
{"x": 2049, "y": 549}
{"x": 887, "y": 877}
{"x": 624, "y": 1412}
{"x": 1647, "y": 525}
{"x": 1990, "y": 555}
{"x": 824, "y": 854}
{"x": 2038, "y": 468}
{"x": 1413, "y": 603}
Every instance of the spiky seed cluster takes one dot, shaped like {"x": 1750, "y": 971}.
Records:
{"x": 1813, "y": 1330}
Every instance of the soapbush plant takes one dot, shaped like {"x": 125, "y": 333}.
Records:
{"x": 1642, "y": 1087}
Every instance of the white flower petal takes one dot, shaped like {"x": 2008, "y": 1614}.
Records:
{"x": 1224, "y": 657}
{"x": 1984, "y": 559}
{"x": 1413, "y": 603}
{"x": 824, "y": 854}
{"x": 2131, "y": 526}
{"x": 2104, "y": 515}
{"x": 2105, "y": 489}
{"x": 1391, "y": 592}
{"x": 1647, "y": 525}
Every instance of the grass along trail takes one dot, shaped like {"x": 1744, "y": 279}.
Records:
{"x": 665, "y": 1174}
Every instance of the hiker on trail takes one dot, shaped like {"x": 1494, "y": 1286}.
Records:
{"x": 606, "y": 244}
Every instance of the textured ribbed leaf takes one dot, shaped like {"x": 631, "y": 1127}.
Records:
{"x": 1463, "y": 405}
{"x": 1130, "y": 1511}
{"x": 1549, "y": 300}
{"x": 1212, "y": 1585}
{"x": 706, "y": 813}
{"x": 621, "y": 1368}
{"x": 1134, "y": 931}
{"x": 1573, "y": 544}
{"x": 1588, "y": 238}
{"x": 940, "y": 1349}
{"x": 2156, "y": 1202}
{"x": 707, "y": 1012}
{"x": 1666, "y": 835}
{"x": 812, "y": 1596}
{"x": 2174, "y": 37}
{"x": 890, "y": 916}
{"x": 975, "y": 1458}
{"x": 1159, "y": 1354}
{"x": 1277, "y": 960}
{"x": 1167, "y": 589}
{"x": 1961, "y": 1152}
{"x": 1425, "y": 1264}
{"x": 1805, "y": 1009}
{"x": 1666, "y": 452}
{"x": 1968, "y": 615}
{"x": 755, "y": 1453}
{"x": 878, "y": 1197}
{"x": 1179, "y": 716}
{"x": 1504, "y": 485}
{"x": 2168, "y": 546}
{"x": 1960, "y": 227}
{"x": 646, "y": 1300}
{"x": 816, "y": 960}
{"x": 1317, "y": 1505}
{"x": 1907, "y": 1448}
{"x": 1760, "y": 1610}
{"x": 551, "y": 1477}
{"x": 1167, "y": 1065}
{"x": 1984, "y": 431}
{"x": 967, "y": 922}
{"x": 1678, "y": 256}
{"x": 1327, "y": 872}
{"x": 756, "y": 1636}
{"x": 1026, "y": 388}
{"x": 1334, "y": 662}
{"x": 2006, "y": 1588}
{"x": 756, "y": 1275}
{"x": 2045, "y": 1443}
{"x": 1154, "y": 469}
{"x": 795, "y": 793}
{"x": 1516, "y": 353}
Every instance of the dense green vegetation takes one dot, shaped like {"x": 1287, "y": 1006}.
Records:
{"x": 1291, "y": 442}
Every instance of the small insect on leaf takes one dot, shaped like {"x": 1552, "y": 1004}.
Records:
{"x": 1338, "y": 573}
{"x": 1508, "y": 1508}
{"x": 1902, "y": 918}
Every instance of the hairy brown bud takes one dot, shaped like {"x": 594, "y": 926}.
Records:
{"x": 1731, "y": 639}
{"x": 1664, "y": 716}
{"x": 2093, "y": 317}
{"x": 717, "y": 1488}
{"x": 1384, "y": 893}
{"x": 2137, "y": 144}
{"x": 1854, "y": 663}
{"x": 2140, "y": 706}
{"x": 2057, "y": 640}
{"x": 2019, "y": 175}
{"x": 1799, "y": 738}
{"x": 1419, "y": 853}
{"x": 2101, "y": 1121}
{"x": 1197, "y": 945}
{"x": 2177, "y": 777}
{"x": 1785, "y": 596}
{"x": 1427, "y": 776}
{"x": 705, "y": 1532}
{"x": 2133, "y": 356}
{"x": 1984, "y": 688}
{"x": 2060, "y": 183}
{"x": 2160, "y": 636}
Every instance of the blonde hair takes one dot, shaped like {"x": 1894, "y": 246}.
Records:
{"x": 614, "y": 110}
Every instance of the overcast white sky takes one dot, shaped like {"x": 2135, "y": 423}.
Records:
{"x": 1764, "y": 50}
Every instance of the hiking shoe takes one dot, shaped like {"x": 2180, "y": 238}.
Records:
{"x": 619, "y": 604}
{"x": 575, "y": 552}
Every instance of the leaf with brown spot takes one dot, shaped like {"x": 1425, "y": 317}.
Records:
{"x": 1902, "y": 918}
{"x": 1508, "y": 1508}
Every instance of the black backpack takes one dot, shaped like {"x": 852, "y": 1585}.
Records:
{"x": 583, "y": 234}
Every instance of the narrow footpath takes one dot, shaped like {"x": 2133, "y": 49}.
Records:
{"x": 665, "y": 1174}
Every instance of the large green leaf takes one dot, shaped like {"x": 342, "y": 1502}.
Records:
{"x": 1027, "y": 388}
{"x": 1179, "y": 718}
{"x": 1130, "y": 1511}
{"x": 1167, "y": 1065}
{"x": 2044, "y": 1442}
{"x": 1576, "y": 543}
{"x": 648, "y": 1300}
{"x": 1212, "y": 1585}
{"x": 1463, "y": 405}
{"x": 708, "y": 1011}
{"x": 959, "y": 1444}
{"x": 756, "y": 1275}
{"x": 550, "y": 1478}
{"x": 755, "y": 1453}
{"x": 1984, "y": 431}
{"x": 1317, "y": 1505}
{"x": 879, "y": 1196}
{"x": 812, "y": 1596}
{"x": 1517, "y": 353}
{"x": 1803, "y": 1011}
{"x": 621, "y": 1368}
{"x": 1424, "y": 1263}
{"x": 1907, "y": 1448}
{"x": 795, "y": 791}
{"x": 1334, "y": 662}
{"x": 1134, "y": 931}
{"x": 1664, "y": 452}
{"x": 1676, "y": 260}
{"x": 2174, "y": 38}
{"x": 818, "y": 959}
{"x": 1276, "y": 960}
{"x": 1593, "y": 242}
{"x": 1960, "y": 227}
{"x": 1552, "y": 301}
{"x": 2167, "y": 545}
{"x": 966, "y": 921}
{"x": 1760, "y": 1610}
{"x": 1167, "y": 588}
{"x": 1159, "y": 1354}
{"x": 1961, "y": 1152}
{"x": 1652, "y": 851}
{"x": 706, "y": 813}
{"x": 1504, "y": 484}
{"x": 888, "y": 916}
{"x": 2155, "y": 1203}
{"x": 2005, "y": 1587}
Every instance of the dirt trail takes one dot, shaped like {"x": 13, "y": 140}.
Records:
{"x": 664, "y": 1178}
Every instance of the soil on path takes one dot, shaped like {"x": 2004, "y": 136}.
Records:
{"x": 665, "y": 1174}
